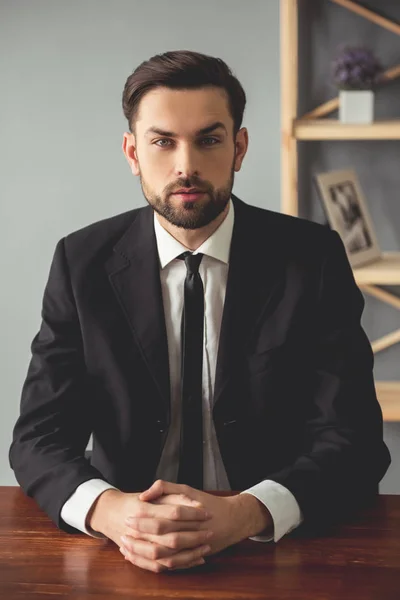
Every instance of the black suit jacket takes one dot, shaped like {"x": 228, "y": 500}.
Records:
{"x": 294, "y": 394}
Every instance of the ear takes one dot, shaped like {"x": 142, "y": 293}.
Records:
{"x": 129, "y": 149}
{"x": 241, "y": 145}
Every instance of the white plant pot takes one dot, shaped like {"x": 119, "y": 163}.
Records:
{"x": 356, "y": 106}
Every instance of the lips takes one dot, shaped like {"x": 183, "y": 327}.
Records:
{"x": 194, "y": 191}
{"x": 188, "y": 195}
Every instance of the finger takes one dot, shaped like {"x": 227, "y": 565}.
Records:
{"x": 195, "y": 563}
{"x": 178, "y": 540}
{"x": 163, "y": 526}
{"x": 178, "y": 499}
{"x": 146, "y": 549}
{"x": 173, "y": 512}
{"x": 151, "y": 494}
{"x": 161, "y": 487}
{"x": 184, "y": 559}
{"x": 143, "y": 563}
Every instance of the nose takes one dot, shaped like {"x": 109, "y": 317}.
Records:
{"x": 186, "y": 163}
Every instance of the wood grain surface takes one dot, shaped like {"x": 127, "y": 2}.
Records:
{"x": 360, "y": 560}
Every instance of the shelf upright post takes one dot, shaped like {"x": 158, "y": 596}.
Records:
{"x": 289, "y": 83}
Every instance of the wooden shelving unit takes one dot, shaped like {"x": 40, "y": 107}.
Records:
{"x": 381, "y": 272}
{"x": 388, "y": 393}
{"x": 312, "y": 127}
{"x": 331, "y": 129}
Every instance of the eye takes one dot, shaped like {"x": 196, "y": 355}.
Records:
{"x": 216, "y": 140}
{"x": 163, "y": 140}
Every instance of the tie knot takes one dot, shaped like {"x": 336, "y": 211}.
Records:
{"x": 192, "y": 261}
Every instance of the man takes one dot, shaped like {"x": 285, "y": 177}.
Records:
{"x": 207, "y": 344}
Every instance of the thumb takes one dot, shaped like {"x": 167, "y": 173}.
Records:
{"x": 150, "y": 494}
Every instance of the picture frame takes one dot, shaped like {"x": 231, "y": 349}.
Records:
{"x": 347, "y": 213}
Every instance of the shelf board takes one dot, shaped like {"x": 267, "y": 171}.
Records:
{"x": 388, "y": 393}
{"x": 332, "y": 129}
{"x": 385, "y": 271}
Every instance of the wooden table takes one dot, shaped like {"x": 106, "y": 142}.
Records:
{"x": 360, "y": 561}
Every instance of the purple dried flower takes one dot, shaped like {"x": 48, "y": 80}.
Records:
{"x": 356, "y": 68}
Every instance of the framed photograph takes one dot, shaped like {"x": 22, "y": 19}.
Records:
{"x": 347, "y": 213}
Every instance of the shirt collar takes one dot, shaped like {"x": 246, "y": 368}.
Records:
{"x": 217, "y": 245}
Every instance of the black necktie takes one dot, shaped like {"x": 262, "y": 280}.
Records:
{"x": 191, "y": 443}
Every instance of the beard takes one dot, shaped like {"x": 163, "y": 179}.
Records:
{"x": 191, "y": 215}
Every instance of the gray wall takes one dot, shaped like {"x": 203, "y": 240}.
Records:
{"x": 61, "y": 126}
{"x": 323, "y": 26}
{"x": 61, "y": 123}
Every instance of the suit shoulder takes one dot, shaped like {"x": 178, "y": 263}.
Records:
{"x": 103, "y": 227}
{"x": 99, "y": 237}
{"x": 298, "y": 241}
{"x": 293, "y": 230}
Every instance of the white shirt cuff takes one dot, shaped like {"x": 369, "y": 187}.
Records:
{"x": 76, "y": 508}
{"x": 282, "y": 505}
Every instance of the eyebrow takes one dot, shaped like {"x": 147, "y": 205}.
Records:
{"x": 202, "y": 131}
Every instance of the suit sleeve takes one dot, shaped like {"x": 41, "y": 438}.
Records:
{"x": 343, "y": 456}
{"x": 54, "y": 425}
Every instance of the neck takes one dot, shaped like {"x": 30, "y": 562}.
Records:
{"x": 193, "y": 238}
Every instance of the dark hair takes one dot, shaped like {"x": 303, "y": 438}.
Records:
{"x": 182, "y": 69}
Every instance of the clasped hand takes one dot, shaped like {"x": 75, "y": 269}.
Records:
{"x": 175, "y": 526}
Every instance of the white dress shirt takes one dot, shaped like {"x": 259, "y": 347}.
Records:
{"x": 280, "y": 502}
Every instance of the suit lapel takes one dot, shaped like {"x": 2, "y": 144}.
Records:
{"x": 134, "y": 274}
{"x": 254, "y": 285}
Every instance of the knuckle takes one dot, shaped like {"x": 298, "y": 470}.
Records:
{"x": 175, "y": 513}
{"x": 167, "y": 563}
{"x": 180, "y": 512}
{"x": 133, "y": 534}
{"x": 154, "y": 567}
{"x": 159, "y": 568}
{"x": 157, "y": 528}
{"x": 174, "y": 541}
{"x": 160, "y": 528}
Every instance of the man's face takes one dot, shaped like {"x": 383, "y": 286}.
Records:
{"x": 168, "y": 152}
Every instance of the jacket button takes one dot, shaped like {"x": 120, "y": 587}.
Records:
{"x": 162, "y": 426}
